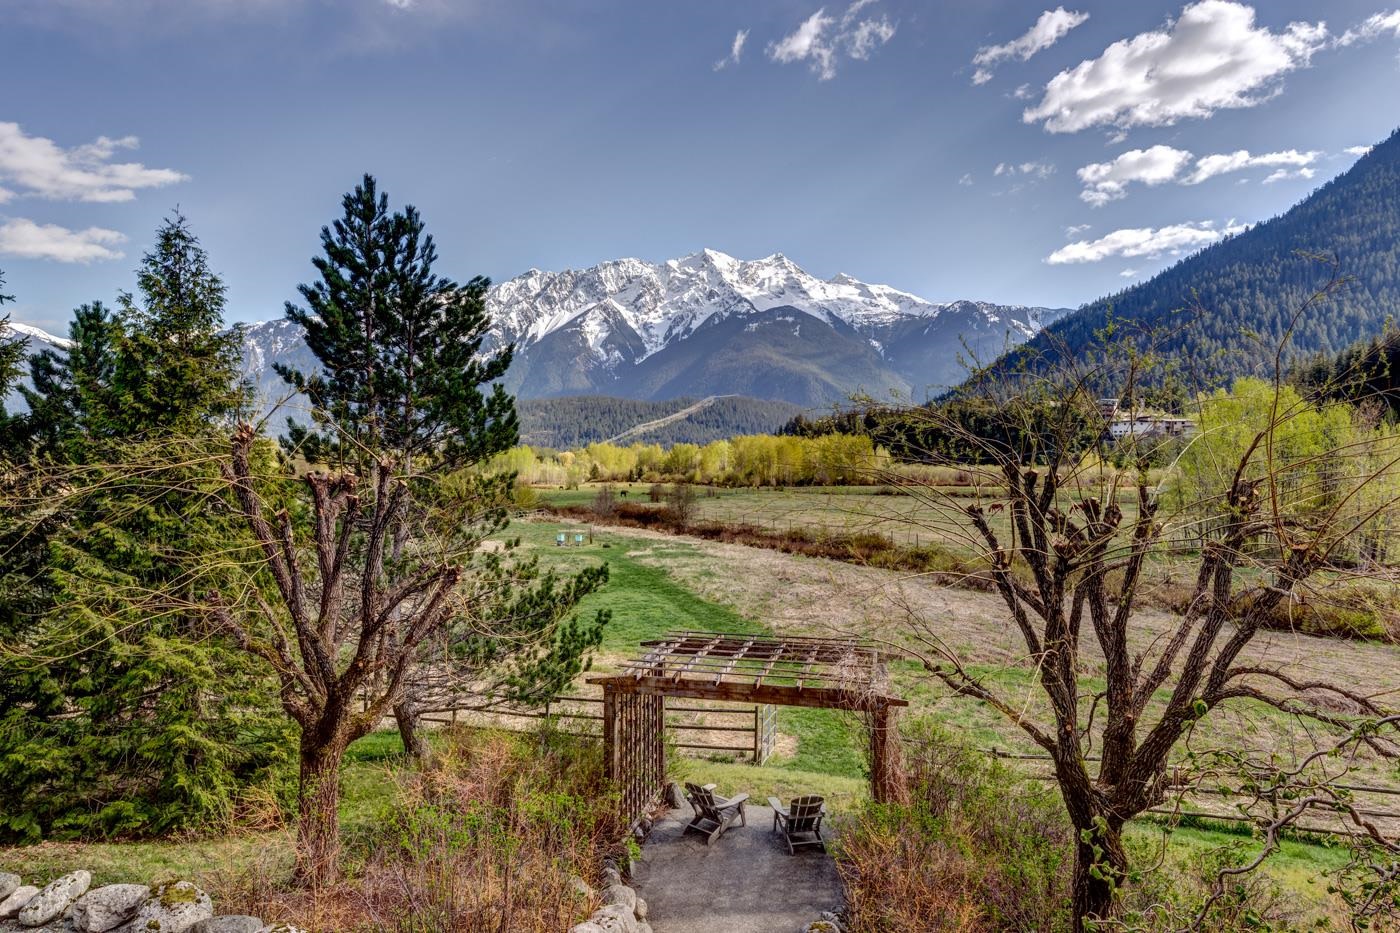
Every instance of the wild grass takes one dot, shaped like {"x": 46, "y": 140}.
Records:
{"x": 492, "y": 837}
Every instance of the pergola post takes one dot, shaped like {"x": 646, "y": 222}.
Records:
{"x": 886, "y": 762}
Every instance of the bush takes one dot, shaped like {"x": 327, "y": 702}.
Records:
{"x": 975, "y": 849}
{"x": 490, "y": 837}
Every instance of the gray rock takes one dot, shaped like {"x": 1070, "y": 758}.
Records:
{"x": 611, "y": 876}
{"x": 580, "y": 887}
{"x": 9, "y": 884}
{"x": 282, "y": 928}
{"x": 620, "y": 894}
{"x": 588, "y": 926}
{"x": 173, "y": 908}
{"x": 673, "y": 795}
{"x": 228, "y": 923}
{"x": 615, "y": 918}
{"x": 108, "y": 907}
{"x": 643, "y": 927}
{"x": 20, "y": 896}
{"x": 639, "y": 910}
{"x": 56, "y": 897}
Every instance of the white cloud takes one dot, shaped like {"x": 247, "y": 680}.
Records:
{"x": 1143, "y": 241}
{"x": 1023, "y": 92}
{"x": 40, "y": 168}
{"x": 1039, "y": 170}
{"x": 1357, "y": 150}
{"x": 1212, "y": 165}
{"x": 1284, "y": 174}
{"x": 25, "y": 239}
{"x": 1213, "y": 57}
{"x": 1373, "y": 27}
{"x": 1108, "y": 181}
{"x": 735, "y": 51}
{"x": 1128, "y": 273}
{"x": 1048, "y": 29}
{"x": 1073, "y": 230}
{"x": 966, "y": 180}
{"x": 821, "y": 40}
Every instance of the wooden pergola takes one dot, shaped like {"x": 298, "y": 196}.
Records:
{"x": 833, "y": 673}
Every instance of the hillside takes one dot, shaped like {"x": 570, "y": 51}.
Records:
{"x": 575, "y": 421}
{"x": 1249, "y": 286}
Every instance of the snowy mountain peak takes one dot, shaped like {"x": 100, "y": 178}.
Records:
{"x": 31, "y": 332}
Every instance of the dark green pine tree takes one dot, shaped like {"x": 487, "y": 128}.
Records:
{"x": 67, "y": 389}
{"x": 401, "y": 367}
{"x": 402, "y": 376}
{"x": 120, "y": 713}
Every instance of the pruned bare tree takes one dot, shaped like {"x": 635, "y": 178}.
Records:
{"x": 1070, "y": 541}
{"x": 355, "y": 583}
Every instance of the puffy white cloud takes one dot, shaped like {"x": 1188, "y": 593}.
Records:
{"x": 41, "y": 168}
{"x": 1357, "y": 150}
{"x": 1128, "y": 273}
{"x": 1212, "y": 165}
{"x": 1373, "y": 27}
{"x": 736, "y": 49}
{"x": 821, "y": 39}
{"x": 1212, "y": 57}
{"x": 1108, "y": 181}
{"x": 1143, "y": 241}
{"x": 1048, "y": 29}
{"x": 25, "y": 239}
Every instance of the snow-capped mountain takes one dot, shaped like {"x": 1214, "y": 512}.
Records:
{"x": 38, "y": 340}
{"x": 652, "y": 330}
{"x": 710, "y": 324}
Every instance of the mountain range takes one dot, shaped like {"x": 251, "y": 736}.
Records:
{"x": 710, "y": 324}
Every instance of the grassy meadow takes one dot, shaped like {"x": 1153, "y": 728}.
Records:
{"x": 659, "y": 583}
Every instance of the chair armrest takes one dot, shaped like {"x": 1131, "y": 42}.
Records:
{"x": 708, "y": 786}
{"x": 735, "y": 801}
{"x": 777, "y": 807}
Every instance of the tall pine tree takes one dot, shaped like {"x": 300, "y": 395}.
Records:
{"x": 121, "y": 714}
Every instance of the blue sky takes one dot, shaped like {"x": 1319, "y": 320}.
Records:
{"x": 858, "y": 137}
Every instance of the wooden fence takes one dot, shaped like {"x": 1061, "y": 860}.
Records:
{"x": 744, "y": 730}
{"x": 1387, "y": 819}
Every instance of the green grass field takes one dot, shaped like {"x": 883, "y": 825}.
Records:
{"x": 823, "y": 752}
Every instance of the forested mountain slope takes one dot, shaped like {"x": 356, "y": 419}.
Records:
{"x": 1248, "y": 287}
{"x": 577, "y": 420}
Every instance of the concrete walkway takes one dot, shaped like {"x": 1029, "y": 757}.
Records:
{"x": 744, "y": 883}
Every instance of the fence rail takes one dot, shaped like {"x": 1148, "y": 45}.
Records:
{"x": 1392, "y": 817}
{"x": 759, "y": 722}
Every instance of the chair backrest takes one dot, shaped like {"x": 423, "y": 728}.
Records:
{"x": 702, "y": 800}
{"x": 804, "y": 812}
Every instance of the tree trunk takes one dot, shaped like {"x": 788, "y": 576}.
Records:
{"x": 406, "y": 715}
{"x": 318, "y": 822}
{"x": 1098, "y": 874}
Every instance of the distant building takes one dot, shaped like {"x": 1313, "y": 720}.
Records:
{"x": 1120, "y": 424}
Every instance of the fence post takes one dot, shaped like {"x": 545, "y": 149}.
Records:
{"x": 757, "y": 735}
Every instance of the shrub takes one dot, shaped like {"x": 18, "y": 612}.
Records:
{"x": 488, "y": 838}
{"x": 975, "y": 849}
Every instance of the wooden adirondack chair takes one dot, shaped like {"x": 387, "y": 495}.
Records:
{"x": 801, "y": 822}
{"x": 713, "y": 813}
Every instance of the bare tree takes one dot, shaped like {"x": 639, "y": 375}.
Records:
{"x": 348, "y": 599}
{"x": 1067, "y": 540}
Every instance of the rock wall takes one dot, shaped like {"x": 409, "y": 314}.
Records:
{"x": 71, "y": 905}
